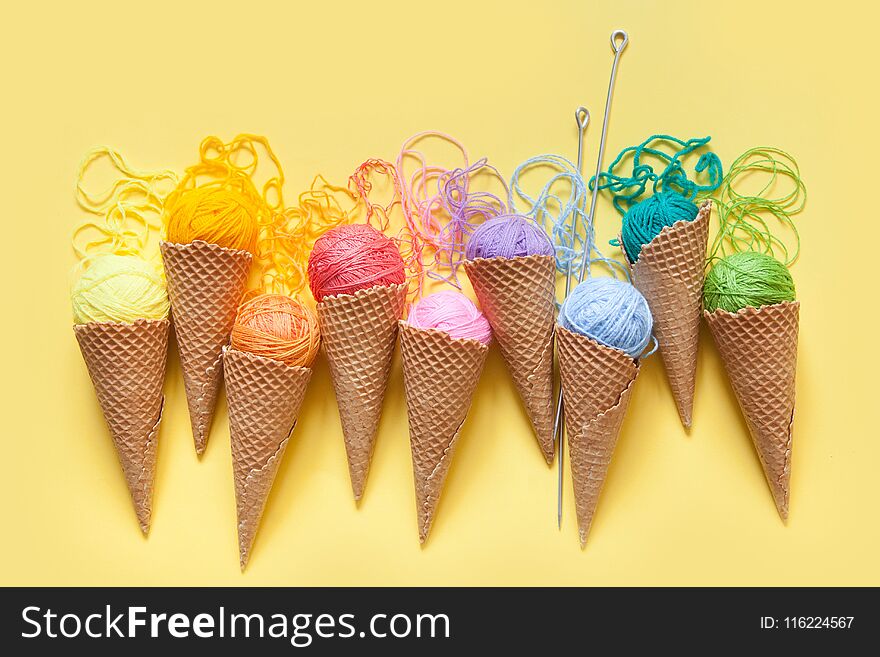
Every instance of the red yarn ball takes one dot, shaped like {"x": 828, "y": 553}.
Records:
{"x": 353, "y": 257}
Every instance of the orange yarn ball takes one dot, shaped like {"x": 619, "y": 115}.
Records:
{"x": 278, "y": 327}
{"x": 216, "y": 214}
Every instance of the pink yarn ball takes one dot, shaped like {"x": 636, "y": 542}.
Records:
{"x": 452, "y": 313}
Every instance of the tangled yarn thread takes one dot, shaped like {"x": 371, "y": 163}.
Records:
{"x": 750, "y": 275}
{"x": 286, "y": 245}
{"x": 627, "y": 190}
{"x": 441, "y": 206}
{"x": 561, "y": 201}
{"x": 115, "y": 280}
{"x": 749, "y": 219}
{"x": 673, "y": 192}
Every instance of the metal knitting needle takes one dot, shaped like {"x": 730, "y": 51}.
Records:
{"x": 619, "y": 40}
{"x": 582, "y": 118}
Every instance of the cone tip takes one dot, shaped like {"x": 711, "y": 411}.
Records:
{"x": 357, "y": 489}
{"x": 783, "y": 513}
{"x": 583, "y": 534}
{"x": 244, "y": 553}
{"x": 144, "y": 513}
{"x": 685, "y": 412}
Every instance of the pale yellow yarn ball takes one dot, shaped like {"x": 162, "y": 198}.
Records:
{"x": 119, "y": 288}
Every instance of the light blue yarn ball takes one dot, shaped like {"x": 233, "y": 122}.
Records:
{"x": 611, "y": 312}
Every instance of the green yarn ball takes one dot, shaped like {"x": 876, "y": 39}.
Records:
{"x": 644, "y": 221}
{"x": 747, "y": 279}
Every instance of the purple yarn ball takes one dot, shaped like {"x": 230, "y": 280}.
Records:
{"x": 508, "y": 236}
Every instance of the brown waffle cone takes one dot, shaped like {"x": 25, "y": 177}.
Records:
{"x": 669, "y": 273}
{"x": 358, "y": 332}
{"x": 597, "y": 384}
{"x": 126, "y": 363}
{"x": 205, "y": 285}
{"x": 518, "y": 297}
{"x": 759, "y": 349}
{"x": 440, "y": 374}
{"x": 264, "y": 398}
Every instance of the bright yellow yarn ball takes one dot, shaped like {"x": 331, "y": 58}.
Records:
{"x": 218, "y": 215}
{"x": 119, "y": 288}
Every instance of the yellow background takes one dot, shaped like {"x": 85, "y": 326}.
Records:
{"x": 331, "y": 85}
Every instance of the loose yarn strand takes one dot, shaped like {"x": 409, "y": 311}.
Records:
{"x": 116, "y": 279}
{"x": 420, "y": 201}
{"x": 627, "y": 190}
{"x": 748, "y": 265}
{"x": 407, "y": 239}
{"x": 747, "y": 221}
{"x": 285, "y": 246}
{"x": 128, "y": 210}
{"x": 609, "y": 310}
{"x": 221, "y": 161}
{"x": 440, "y": 206}
{"x": 283, "y": 249}
{"x": 466, "y": 209}
{"x": 561, "y": 200}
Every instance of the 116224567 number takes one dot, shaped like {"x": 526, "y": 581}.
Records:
{"x": 817, "y": 622}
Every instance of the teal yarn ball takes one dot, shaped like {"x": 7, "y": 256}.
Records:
{"x": 747, "y": 279}
{"x": 611, "y": 312}
{"x": 644, "y": 220}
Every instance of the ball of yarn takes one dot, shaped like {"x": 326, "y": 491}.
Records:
{"x": 747, "y": 279}
{"x": 644, "y": 220}
{"x": 452, "y": 313}
{"x": 353, "y": 257}
{"x": 219, "y": 215}
{"x": 279, "y": 327}
{"x": 508, "y": 236}
{"x": 611, "y": 312}
{"x": 119, "y": 288}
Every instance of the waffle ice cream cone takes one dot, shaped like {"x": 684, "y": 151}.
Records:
{"x": 358, "y": 332}
{"x": 518, "y": 297}
{"x": 759, "y": 349}
{"x": 669, "y": 273}
{"x": 597, "y": 384}
{"x": 126, "y": 363}
{"x": 205, "y": 285}
{"x": 264, "y": 398}
{"x": 440, "y": 374}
